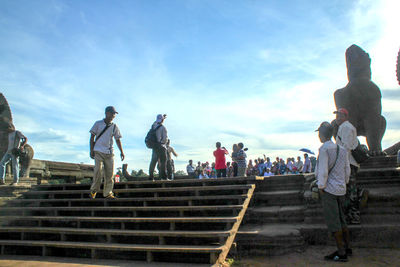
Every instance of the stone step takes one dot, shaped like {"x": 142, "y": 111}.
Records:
{"x": 377, "y": 235}
{"x": 157, "y": 183}
{"x": 149, "y": 211}
{"x": 197, "y": 190}
{"x": 133, "y": 201}
{"x": 95, "y": 250}
{"x": 376, "y": 162}
{"x": 293, "y": 185}
{"x": 156, "y": 237}
{"x": 269, "y": 240}
{"x": 279, "y": 198}
{"x": 251, "y": 239}
{"x": 275, "y": 214}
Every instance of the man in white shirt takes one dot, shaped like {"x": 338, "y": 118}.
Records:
{"x": 101, "y": 150}
{"x": 347, "y": 138}
{"x": 332, "y": 173}
{"x": 299, "y": 164}
{"x": 190, "y": 169}
{"x": 14, "y": 139}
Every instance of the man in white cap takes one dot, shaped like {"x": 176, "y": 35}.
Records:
{"x": 101, "y": 150}
{"x": 159, "y": 153}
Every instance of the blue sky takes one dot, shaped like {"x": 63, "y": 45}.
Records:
{"x": 258, "y": 72}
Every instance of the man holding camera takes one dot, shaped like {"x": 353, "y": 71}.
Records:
{"x": 159, "y": 153}
{"x": 220, "y": 161}
{"x": 15, "y": 148}
{"x": 101, "y": 150}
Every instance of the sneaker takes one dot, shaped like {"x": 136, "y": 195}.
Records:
{"x": 336, "y": 257}
{"x": 92, "y": 195}
{"x": 13, "y": 183}
{"x": 111, "y": 196}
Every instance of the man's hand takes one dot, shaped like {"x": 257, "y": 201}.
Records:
{"x": 122, "y": 156}
{"x": 92, "y": 154}
{"x": 321, "y": 191}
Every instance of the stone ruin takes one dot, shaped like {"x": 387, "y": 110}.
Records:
{"x": 362, "y": 98}
{"x": 5, "y": 119}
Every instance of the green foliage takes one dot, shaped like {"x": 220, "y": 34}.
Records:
{"x": 180, "y": 173}
{"x": 57, "y": 181}
{"x": 139, "y": 173}
{"x": 86, "y": 181}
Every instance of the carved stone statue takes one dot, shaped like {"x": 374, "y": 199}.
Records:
{"x": 362, "y": 98}
{"x": 398, "y": 67}
{"x": 5, "y": 119}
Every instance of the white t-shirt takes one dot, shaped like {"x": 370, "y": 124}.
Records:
{"x": 12, "y": 142}
{"x": 105, "y": 143}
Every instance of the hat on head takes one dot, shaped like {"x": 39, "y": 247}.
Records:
{"x": 111, "y": 109}
{"x": 326, "y": 128}
{"x": 343, "y": 111}
{"x": 159, "y": 118}
{"x": 324, "y": 125}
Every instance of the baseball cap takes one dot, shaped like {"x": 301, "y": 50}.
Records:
{"x": 111, "y": 109}
{"x": 343, "y": 111}
{"x": 159, "y": 118}
{"x": 326, "y": 128}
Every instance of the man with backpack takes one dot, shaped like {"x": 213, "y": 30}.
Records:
{"x": 101, "y": 150}
{"x": 156, "y": 139}
{"x": 332, "y": 173}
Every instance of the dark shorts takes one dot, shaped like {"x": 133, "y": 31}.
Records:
{"x": 333, "y": 211}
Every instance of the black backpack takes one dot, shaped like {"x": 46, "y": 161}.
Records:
{"x": 151, "y": 138}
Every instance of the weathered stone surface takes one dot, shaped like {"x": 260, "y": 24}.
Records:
{"x": 5, "y": 119}
{"x": 398, "y": 67}
{"x": 362, "y": 98}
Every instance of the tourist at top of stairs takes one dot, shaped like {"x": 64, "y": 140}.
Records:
{"x": 15, "y": 147}
{"x": 332, "y": 174}
{"x": 170, "y": 162}
{"x": 159, "y": 150}
{"x": 220, "y": 161}
{"x": 101, "y": 150}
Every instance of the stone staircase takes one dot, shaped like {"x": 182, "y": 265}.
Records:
{"x": 193, "y": 221}
{"x": 277, "y": 203}
{"x": 283, "y": 217}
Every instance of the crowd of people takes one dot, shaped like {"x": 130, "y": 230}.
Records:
{"x": 239, "y": 167}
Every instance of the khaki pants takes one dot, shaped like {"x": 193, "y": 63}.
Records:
{"x": 106, "y": 162}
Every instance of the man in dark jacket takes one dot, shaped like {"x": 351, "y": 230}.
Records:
{"x": 159, "y": 153}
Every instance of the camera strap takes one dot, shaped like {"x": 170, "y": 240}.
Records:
{"x": 101, "y": 133}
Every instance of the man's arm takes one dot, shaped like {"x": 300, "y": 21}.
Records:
{"x": 119, "y": 144}
{"x": 91, "y": 145}
{"x": 347, "y": 168}
{"x": 24, "y": 141}
{"x": 321, "y": 172}
{"x": 348, "y": 138}
{"x": 173, "y": 151}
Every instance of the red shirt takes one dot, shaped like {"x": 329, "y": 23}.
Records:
{"x": 219, "y": 155}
